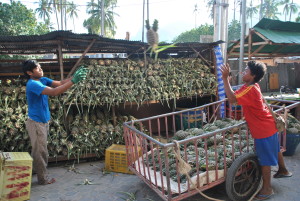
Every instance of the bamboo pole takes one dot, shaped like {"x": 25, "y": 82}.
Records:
{"x": 60, "y": 59}
{"x": 83, "y": 54}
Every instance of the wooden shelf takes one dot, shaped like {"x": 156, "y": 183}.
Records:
{"x": 22, "y": 74}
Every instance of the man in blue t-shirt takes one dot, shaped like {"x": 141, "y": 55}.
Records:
{"x": 38, "y": 88}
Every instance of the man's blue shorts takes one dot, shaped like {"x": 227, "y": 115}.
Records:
{"x": 267, "y": 150}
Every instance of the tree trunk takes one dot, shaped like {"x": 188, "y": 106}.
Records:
{"x": 65, "y": 16}
{"x": 55, "y": 10}
{"x": 261, "y": 9}
{"x": 291, "y": 9}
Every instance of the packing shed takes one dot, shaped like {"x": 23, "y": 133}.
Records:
{"x": 123, "y": 83}
{"x": 277, "y": 44}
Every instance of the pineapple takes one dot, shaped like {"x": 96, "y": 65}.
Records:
{"x": 180, "y": 135}
{"x": 152, "y": 36}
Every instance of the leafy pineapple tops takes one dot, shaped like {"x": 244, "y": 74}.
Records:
{"x": 259, "y": 119}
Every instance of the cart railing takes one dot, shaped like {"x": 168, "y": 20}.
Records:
{"x": 207, "y": 143}
{"x": 284, "y": 104}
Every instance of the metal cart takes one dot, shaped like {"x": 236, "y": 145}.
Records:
{"x": 217, "y": 152}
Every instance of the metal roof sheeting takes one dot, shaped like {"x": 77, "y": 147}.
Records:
{"x": 280, "y": 36}
{"x": 78, "y": 43}
{"x": 278, "y": 25}
{"x": 270, "y": 38}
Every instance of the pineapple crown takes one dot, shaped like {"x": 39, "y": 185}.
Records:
{"x": 155, "y": 25}
{"x": 147, "y": 25}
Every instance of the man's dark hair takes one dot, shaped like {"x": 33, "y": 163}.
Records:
{"x": 29, "y": 65}
{"x": 258, "y": 69}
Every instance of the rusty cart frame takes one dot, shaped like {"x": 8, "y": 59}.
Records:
{"x": 149, "y": 141}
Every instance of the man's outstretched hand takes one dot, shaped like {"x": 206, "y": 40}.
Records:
{"x": 79, "y": 75}
{"x": 225, "y": 69}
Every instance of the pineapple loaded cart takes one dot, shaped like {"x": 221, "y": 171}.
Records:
{"x": 210, "y": 149}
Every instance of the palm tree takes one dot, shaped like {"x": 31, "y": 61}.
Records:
{"x": 261, "y": 9}
{"x": 298, "y": 18}
{"x": 72, "y": 11}
{"x": 210, "y": 5}
{"x": 92, "y": 25}
{"x": 44, "y": 10}
{"x": 236, "y": 3}
{"x": 49, "y": 24}
{"x": 54, "y": 5}
{"x": 195, "y": 12}
{"x": 94, "y": 21}
{"x": 61, "y": 8}
{"x": 286, "y": 8}
{"x": 293, "y": 9}
{"x": 269, "y": 9}
{"x": 251, "y": 11}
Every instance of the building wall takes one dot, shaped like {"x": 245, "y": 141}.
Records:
{"x": 288, "y": 76}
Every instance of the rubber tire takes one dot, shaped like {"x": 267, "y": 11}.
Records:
{"x": 254, "y": 180}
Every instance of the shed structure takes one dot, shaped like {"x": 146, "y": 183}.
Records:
{"x": 269, "y": 38}
{"x": 275, "y": 43}
{"x": 67, "y": 43}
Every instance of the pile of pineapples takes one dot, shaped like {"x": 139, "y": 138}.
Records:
{"x": 111, "y": 82}
{"x": 13, "y": 109}
{"x": 71, "y": 134}
{"x": 293, "y": 125}
{"x": 81, "y": 121}
{"x": 219, "y": 146}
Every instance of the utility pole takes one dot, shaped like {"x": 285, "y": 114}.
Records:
{"x": 102, "y": 18}
{"x": 143, "y": 28}
{"x": 61, "y": 15}
{"x": 242, "y": 38}
{"x": 216, "y": 20}
{"x": 221, "y": 24}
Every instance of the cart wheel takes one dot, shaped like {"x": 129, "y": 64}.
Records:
{"x": 243, "y": 177}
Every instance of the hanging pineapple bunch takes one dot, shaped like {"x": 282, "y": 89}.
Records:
{"x": 152, "y": 39}
{"x": 152, "y": 35}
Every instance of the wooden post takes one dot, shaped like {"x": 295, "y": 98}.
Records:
{"x": 60, "y": 59}
{"x": 83, "y": 54}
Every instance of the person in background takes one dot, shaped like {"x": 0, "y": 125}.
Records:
{"x": 38, "y": 88}
{"x": 260, "y": 122}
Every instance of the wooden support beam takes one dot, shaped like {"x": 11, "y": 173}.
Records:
{"x": 257, "y": 50}
{"x": 21, "y": 74}
{"x": 236, "y": 55}
{"x": 203, "y": 59}
{"x": 83, "y": 54}
{"x": 40, "y": 42}
{"x": 286, "y": 44}
{"x": 278, "y": 49}
{"x": 253, "y": 44}
{"x": 232, "y": 50}
{"x": 262, "y": 36}
{"x": 60, "y": 60}
{"x": 261, "y": 43}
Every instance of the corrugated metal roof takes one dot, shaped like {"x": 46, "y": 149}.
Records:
{"x": 270, "y": 38}
{"x": 279, "y": 32}
{"x": 77, "y": 43}
{"x": 278, "y": 25}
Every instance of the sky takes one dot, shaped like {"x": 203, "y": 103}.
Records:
{"x": 174, "y": 16}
